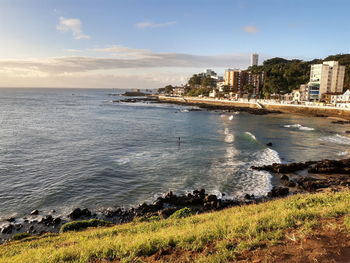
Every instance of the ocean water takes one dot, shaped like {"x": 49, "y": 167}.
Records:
{"x": 64, "y": 148}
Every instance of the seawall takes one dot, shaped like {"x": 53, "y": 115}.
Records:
{"x": 326, "y": 111}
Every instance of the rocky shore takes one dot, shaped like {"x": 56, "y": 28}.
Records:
{"x": 209, "y": 107}
{"x": 304, "y": 177}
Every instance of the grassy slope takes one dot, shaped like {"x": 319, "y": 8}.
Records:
{"x": 229, "y": 231}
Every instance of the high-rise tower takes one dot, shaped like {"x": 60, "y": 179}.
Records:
{"x": 254, "y": 60}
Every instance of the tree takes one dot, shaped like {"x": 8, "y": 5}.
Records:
{"x": 168, "y": 89}
{"x": 208, "y": 82}
{"x": 195, "y": 80}
{"x": 249, "y": 88}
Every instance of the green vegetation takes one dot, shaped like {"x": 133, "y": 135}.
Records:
{"x": 283, "y": 76}
{"x": 182, "y": 213}
{"x": 20, "y": 236}
{"x": 147, "y": 219}
{"x": 228, "y": 232}
{"x": 83, "y": 224}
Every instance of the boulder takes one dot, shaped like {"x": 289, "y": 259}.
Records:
{"x": 34, "y": 212}
{"x": 278, "y": 192}
{"x": 77, "y": 213}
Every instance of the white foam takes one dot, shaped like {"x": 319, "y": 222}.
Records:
{"x": 251, "y": 135}
{"x": 230, "y": 118}
{"x": 338, "y": 139}
{"x": 299, "y": 126}
{"x": 342, "y": 153}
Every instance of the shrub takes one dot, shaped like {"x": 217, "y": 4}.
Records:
{"x": 182, "y": 213}
{"x": 20, "y": 236}
{"x": 147, "y": 219}
{"x": 83, "y": 224}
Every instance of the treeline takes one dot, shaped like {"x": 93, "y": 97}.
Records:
{"x": 283, "y": 75}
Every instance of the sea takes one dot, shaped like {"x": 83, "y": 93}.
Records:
{"x": 67, "y": 148}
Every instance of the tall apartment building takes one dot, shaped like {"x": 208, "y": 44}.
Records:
{"x": 326, "y": 78}
{"x": 254, "y": 59}
{"x": 237, "y": 79}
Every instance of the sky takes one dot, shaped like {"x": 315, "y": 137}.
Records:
{"x": 152, "y": 43}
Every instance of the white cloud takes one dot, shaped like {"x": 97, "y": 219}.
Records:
{"x": 250, "y": 29}
{"x": 148, "y": 24}
{"x": 125, "y": 52}
{"x": 153, "y": 60}
{"x": 72, "y": 25}
{"x": 124, "y": 66}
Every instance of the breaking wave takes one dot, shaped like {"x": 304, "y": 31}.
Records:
{"x": 338, "y": 139}
{"x": 251, "y": 135}
{"x": 300, "y": 127}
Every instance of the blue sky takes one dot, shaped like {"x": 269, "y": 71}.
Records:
{"x": 106, "y": 43}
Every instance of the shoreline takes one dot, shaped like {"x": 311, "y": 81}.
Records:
{"x": 260, "y": 108}
{"x": 288, "y": 179}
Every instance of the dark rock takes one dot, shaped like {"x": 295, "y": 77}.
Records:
{"x": 165, "y": 213}
{"x": 340, "y": 122}
{"x": 291, "y": 184}
{"x": 210, "y": 198}
{"x": 77, "y": 213}
{"x": 7, "y": 229}
{"x": 34, "y": 212}
{"x": 269, "y": 144}
{"x": 202, "y": 192}
{"x": 284, "y": 178}
{"x": 56, "y": 221}
{"x": 46, "y": 219}
{"x": 278, "y": 192}
{"x": 249, "y": 197}
{"x": 11, "y": 219}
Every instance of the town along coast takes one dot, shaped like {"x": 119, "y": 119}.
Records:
{"x": 259, "y": 108}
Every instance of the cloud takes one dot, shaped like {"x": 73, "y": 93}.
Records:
{"x": 148, "y": 24}
{"x": 250, "y": 29}
{"x": 153, "y": 60}
{"x": 125, "y": 52}
{"x": 72, "y": 25}
{"x": 125, "y": 66}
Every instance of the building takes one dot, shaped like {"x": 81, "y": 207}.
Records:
{"x": 254, "y": 59}
{"x": 237, "y": 79}
{"x": 179, "y": 91}
{"x": 213, "y": 93}
{"x": 326, "y": 78}
{"x": 343, "y": 98}
{"x": 209, "y": 73}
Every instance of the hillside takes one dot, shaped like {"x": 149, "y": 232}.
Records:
{"x": 300, "y": 228}
{"x": 283, "y": 75}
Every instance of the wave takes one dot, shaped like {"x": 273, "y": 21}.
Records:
{"x": 299, "y": 126}
{"x": 338, "y": 139}
{"x": 343, "y": 153}
{"x": 251, "y": 135}
{"x": 266, "y": 157}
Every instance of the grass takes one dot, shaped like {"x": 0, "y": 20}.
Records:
{"x": 83, "y": 224}
{"x": 228, "y": 232}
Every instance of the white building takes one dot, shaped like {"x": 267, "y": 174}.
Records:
{"x": 210, "y": 73}
{"x": 254, "y": 60}
{"x": 343, "y": 98}
{"x": 213, "y": 93}
{"x": 326, "y": 78}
